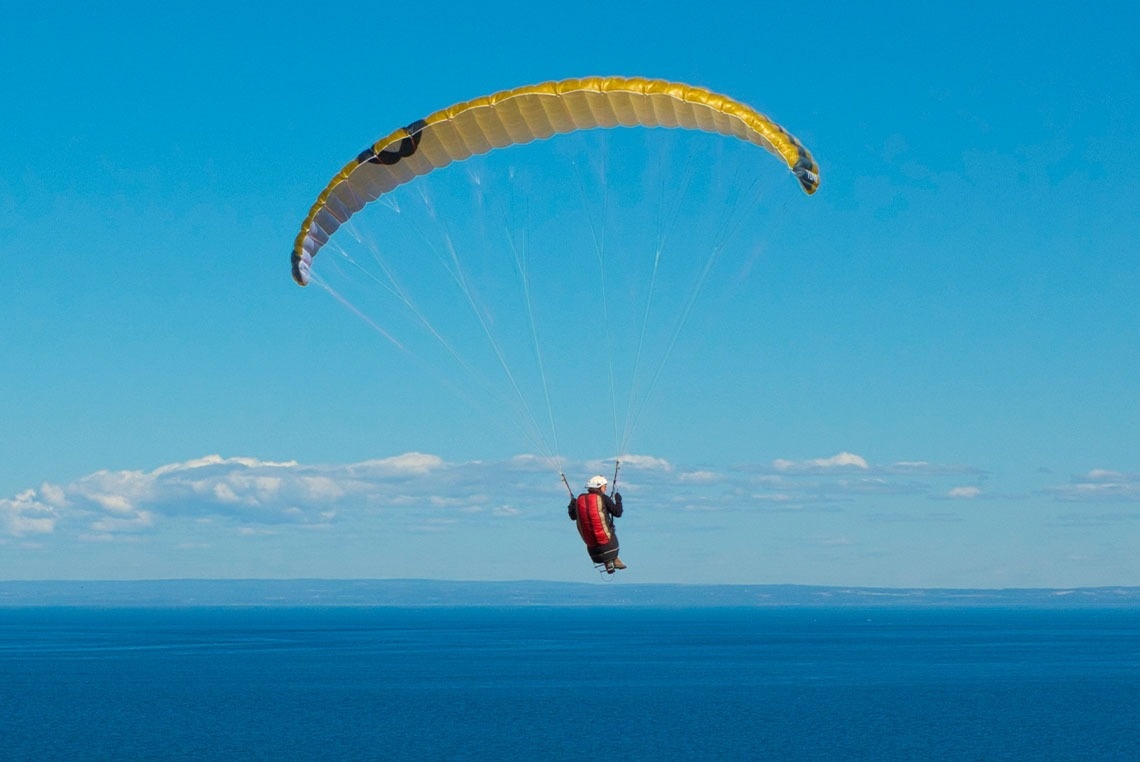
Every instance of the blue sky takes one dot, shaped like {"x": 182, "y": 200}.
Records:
{"x": 930, "y": 379}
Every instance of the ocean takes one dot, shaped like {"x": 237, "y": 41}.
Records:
{"x": 574, "y": 683}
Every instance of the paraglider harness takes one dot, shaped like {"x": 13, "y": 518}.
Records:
{"x": 599, "y": 565}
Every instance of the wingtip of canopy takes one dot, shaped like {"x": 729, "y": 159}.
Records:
{"x": 301, "y": 266}
{"x": 808, "y": 177}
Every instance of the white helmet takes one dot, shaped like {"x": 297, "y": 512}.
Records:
{"x": 596, "y": 482}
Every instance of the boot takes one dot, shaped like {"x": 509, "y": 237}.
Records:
{"x": 618, "y": 564}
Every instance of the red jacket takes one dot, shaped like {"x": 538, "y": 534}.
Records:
{"x": 594, "y": 512}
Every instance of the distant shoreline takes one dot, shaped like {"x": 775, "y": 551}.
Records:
{"x": 438, "y": 593}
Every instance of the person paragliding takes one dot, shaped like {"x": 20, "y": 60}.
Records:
{"x": 594, "y": 512}
{"x": 517, "y": 117}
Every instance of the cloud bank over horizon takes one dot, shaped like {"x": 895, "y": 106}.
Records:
{"x": 418, "y": 491}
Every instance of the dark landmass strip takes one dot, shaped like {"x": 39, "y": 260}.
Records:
{"x": 415, "y": 593}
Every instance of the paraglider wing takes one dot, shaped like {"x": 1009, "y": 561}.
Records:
{"x": 531, "y": 113}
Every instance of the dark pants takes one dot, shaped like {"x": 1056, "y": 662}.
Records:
{"x": 600, "y": 554}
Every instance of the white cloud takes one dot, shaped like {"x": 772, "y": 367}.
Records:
{"x": 27, "y": 514}
{"x": 218, "y": 460}
{"x": 925, "y": 468}
{"x": 1100, "y": 485}
{"x": 774, "y": 497}
{"x": 256, "y": 494}
{"x": 114, "y": 525}
{"x": 323, "y": 488}
{"x": 841, "y": 460}
{"x": 843, "y": 478}
{"x": 53, "y": 495}
{"x": 645, "y": 463}
{"x": 410, "y": 463}
{"x": 435, "y": 525}
{"x": 215, "y": 493}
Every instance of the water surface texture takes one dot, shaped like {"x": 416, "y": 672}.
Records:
{"x": 569, "y": 683}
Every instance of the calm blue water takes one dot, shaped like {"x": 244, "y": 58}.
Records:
{"x": 539, "y": 684}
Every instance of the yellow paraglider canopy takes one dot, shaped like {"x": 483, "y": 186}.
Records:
{"x": 525, "y": 114}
